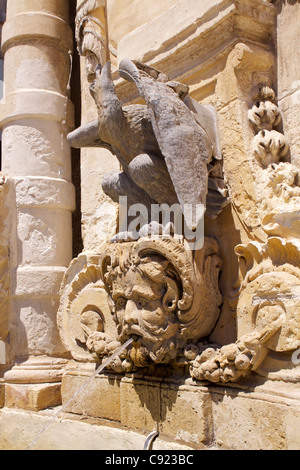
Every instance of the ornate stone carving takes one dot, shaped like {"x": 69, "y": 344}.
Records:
{"x": 157, "y": 294}
{"x": 268, "y": 311}
{"x": 160, "y": 294}
{"x": 265, "y": 115}
{"x": 269, "y": 145}
{"x": 277, "y": 182}
{"x": 84, "y": 308}
{"x": 268, "y": 297}
{"x": 91, "y": 35}
{"x": 149, "y": 148}
{"x": 267, "y": 305}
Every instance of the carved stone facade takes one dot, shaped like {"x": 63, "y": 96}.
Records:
{"x": 156, "y": 292}
{"x": 187, "y": 108}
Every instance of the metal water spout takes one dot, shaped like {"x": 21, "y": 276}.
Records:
{"x": 150, "y": 439}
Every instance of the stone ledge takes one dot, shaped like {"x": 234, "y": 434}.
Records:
{"x": 198, "y": 21}
{"x": 19, "y": 429}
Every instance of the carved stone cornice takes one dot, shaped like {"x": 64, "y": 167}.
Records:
{"x": 196, "y": 54}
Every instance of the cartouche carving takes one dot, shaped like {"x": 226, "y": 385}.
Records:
{"x": 84, "y": 311}
{"x": 269, "y": 292}
{"x": 268, "y": 310}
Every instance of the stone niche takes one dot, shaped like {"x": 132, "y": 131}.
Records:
{"x": 182, "y": 108}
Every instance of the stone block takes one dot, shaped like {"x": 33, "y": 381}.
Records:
{"x": 33, "y": 397}
{"x": 181, "y": 413}
{"x": 140, "y": 404}
{"x": 186, "y": 415}
{"x": 97, "y": 398}
{"x": 255, "y": 422}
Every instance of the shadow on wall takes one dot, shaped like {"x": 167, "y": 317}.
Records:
{"x": 224, "y": 230}
{"x": 75, "y": 153}
{"x": 281, "y": 3}
{"x": 156, "y": 402}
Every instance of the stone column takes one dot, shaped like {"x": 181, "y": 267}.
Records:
{"x": 36, "y": 116}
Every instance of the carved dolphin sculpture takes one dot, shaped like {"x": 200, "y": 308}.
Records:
{"x": 165, "y": 154}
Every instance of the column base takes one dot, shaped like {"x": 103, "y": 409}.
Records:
{"x": 36, "y": 370}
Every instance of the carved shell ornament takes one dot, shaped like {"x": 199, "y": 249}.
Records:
{"x": 84, "y": 309}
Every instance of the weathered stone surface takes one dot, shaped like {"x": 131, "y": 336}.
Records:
{"x": 140, "y": 405}
{"x": 99, "y": 399}
{"x": 255, "y": 423}
{"x": 232, "y": 56}
{"x": 186, "y": 415}
{"x": 2, "y": 395}
{"x": 4, "y": 269}
{"x": 70, "y": 434}
{"x": 32, "y": 397}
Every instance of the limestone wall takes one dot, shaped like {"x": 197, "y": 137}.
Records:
{"x": 240, "y": 57}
